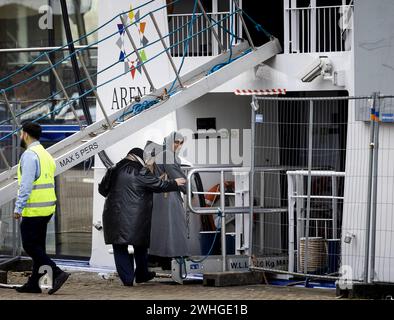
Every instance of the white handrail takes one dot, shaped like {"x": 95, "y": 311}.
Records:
{"x": 205, "y": 42}
{"x": 197, "y": 14}
{"x": 316, "y": 29}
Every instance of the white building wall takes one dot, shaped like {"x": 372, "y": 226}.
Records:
{"x": 286, "y": 70}
{"x": 160, "y": 72}
{"x": 369, "y": 67}
{"x": 232, "y": 114}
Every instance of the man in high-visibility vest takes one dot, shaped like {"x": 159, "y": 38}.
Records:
{"x": 36, "y": 204}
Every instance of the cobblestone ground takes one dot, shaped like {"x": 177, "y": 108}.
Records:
{"x": 88, "y": 286}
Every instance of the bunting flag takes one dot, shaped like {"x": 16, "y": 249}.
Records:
{"x": 143, "y": 55}
{"x": 126, "y": 66}
{"x": 144, "y": 41}
{"x": 132, "y": 70}
{"x": 142, "y": 27}
{"x": 122, "y": 56}
{"x": 137, "y": 16}
{"x": 119, "y": 43}
{"x": 120, "y": 28}
{"x": 129, "y": 65}
{"x": 131, "y": 13}
{"x": 139, "y": 66}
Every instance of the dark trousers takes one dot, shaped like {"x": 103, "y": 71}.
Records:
{"x": 34, "y": 232}
{"x": 125, "y": 263}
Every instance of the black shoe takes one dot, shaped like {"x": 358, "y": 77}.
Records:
{"x": 166, "y": 263}
{"x": 29, "y": 288}
{"x": 58, "y": 282}
{"x": 153, "y": 264}
{"x": 146, "y": 278}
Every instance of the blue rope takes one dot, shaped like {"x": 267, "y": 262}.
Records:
{"x": 181, "y": 263}
{"x": 77, "y": 40}
{"x": 95, "y": 87}
{"x": 138, "y": 108}
{"x": 221, "y": 65}
{"x": 171, "y": 91}
{"x": 94, "y": 74}
{"x": 258, "y": 26}
{"x": 217, "y": 231}
{"x": 225, "y": 29}
{"x": 58, "y": 92}
{"x": 80, "y": 50}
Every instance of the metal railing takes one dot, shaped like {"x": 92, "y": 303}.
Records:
{"x": 204, "y": 44}
{"x": 316, "y": 29}
{"x": 324, "y": 221}
{"x": 222, "y": 210}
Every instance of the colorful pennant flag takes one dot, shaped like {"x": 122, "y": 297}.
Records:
{"x": 120, "y": 28}
{"x": 131, "y": 13}
{"x": 143, "y": 55}
{"x": 122, "y": 55}
{"x": 142, "y": 27}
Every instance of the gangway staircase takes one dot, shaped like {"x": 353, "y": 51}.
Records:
{"x": 106, "y": 132}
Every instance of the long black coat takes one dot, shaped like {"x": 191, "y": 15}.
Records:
{"x": 128, "y": 207}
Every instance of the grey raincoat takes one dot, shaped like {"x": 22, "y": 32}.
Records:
{"x": 168, "y": 230}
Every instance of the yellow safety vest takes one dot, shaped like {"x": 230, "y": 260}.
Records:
{"x": 42, "y": 200}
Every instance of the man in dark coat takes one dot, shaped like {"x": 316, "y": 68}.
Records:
{"x": 128, "y": 212}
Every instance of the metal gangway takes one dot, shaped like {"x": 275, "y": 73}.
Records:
{"x": 96, "y": 137}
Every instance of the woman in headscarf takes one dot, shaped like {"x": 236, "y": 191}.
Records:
{"x": 168, "y": 231}
{"x": 129, "y": 189}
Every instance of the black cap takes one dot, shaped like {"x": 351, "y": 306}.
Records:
{"x": 32, "y": 129}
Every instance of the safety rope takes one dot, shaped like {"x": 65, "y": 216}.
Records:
{"x": 92, "y": 75}
{"x": 182, "y": 260}
{"x": 73, "y": 42}
{"x": 217, "y": 231}
{"x": 34, "y": 76}
{"x": 110, "y": 66}
{"x": 257, "y": 26}
{"x": 138, "y": 107}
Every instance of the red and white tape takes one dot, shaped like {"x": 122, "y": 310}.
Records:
{"x": 265, "y": 92}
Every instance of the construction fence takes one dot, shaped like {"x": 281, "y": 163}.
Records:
{"x": 325, "y": 180}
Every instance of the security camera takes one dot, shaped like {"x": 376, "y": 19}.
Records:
{"x": 312, "y": 71}
{"x": 320, "y": 66}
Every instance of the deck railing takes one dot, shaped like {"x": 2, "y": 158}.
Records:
{"x": 204, "y": 44}
{"x": 317, "y": 29}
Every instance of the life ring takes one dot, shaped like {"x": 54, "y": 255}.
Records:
{"x": 210, "y": 199}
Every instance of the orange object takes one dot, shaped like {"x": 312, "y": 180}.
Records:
{"x": 142, "y": 27}
{"x": 210, "y": 199}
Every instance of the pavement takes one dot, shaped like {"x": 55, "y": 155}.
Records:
{"x": 95, "y": 286}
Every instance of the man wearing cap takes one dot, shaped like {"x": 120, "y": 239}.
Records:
{"x": 36, "y": 204}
